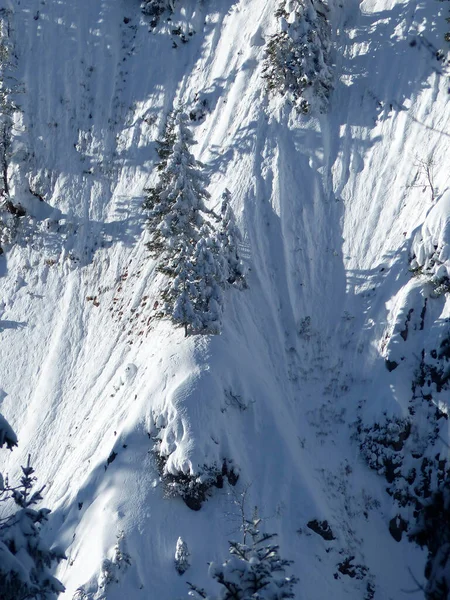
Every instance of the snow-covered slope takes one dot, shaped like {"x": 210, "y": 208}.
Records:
{"x": 334, "y": 210}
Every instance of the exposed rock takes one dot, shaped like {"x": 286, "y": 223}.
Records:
{"x": 397, "y": 525}
{"x": 322, "y": 528}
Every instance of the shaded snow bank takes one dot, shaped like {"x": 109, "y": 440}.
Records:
{"x": 431, "y": 246}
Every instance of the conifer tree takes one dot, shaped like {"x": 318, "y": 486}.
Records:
{"x": 179, "y": 224}
{"x": 195, "y": 248}
{"x": 210, "y": 273}
{"x": 230, "y": 237}
{"x": 298, "y": 62}
{"x": 176, "y": 219}
{"x": 176, "y": 204}
{"x": 255, "y": 571}
{"x": 25, "y": 559}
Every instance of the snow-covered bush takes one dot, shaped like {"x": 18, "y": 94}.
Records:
{"x": 197, "y": 257}
{"x": 194, "y": 488}
{"x": 433, "y": 374}
{"x": 406, "y": 451}
{"x": 119, "y": 563}
{"x": 10, "y": 215}
{"x": 433, "y": 532}
{"x": 419, "y": 479}
{"x": 155, "y": 8}
{"x": 199, "y": 109}
{"x": 381, "y": 444}
{"x": 254, "y": 571}
{"x": 25, "y": 559}
{"x": 182, "y": 554}
{"x": 298, "y": 56}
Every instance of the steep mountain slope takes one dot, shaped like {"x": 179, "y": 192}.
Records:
{"x": 331, "y": 208}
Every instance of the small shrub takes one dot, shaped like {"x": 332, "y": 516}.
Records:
{"x": 25, "y": 560}
{"x": 156, "y": 8}
{"x": 182, "y": 554}
{"x": 113, "y": 567}
{"x": 254, "y": 570}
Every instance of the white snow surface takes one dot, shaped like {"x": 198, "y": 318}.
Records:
{"x": 433, "y": 241}
{"x": 329, "y": 206}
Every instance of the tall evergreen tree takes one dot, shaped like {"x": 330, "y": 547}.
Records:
{"x": 192, "y": 250}
{"x": 176, "y": 204}
{"x": 195, "y": 248}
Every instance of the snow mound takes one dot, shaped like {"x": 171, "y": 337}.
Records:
{"x": 431, "y": 246}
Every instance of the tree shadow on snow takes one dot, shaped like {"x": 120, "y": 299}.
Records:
{"x": 295, "y": 223}
{"x": 12, "y": 325}
{"x": 55, "y": 233}
{"x": 393, "y": 60}
{"x": 387, "y": 277}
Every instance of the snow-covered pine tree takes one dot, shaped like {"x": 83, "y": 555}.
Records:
{"x": 298, "y": 61}
{"x": 176, "y": 204}
{"x": 254, "y": 571}
{"x": 196, "y": 249}
{"x": 181, "y": 294}
{"x": 25, "y": 560}
{"x": 181, "y": 233}
{"x": 230, "y": 237}
{"x": 210, "y": 277}
{"x": 113, "y": 568}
